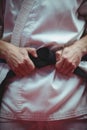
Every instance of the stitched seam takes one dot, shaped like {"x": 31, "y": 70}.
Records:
{"x": 40, "y": 117}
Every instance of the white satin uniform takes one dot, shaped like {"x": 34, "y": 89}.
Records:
{"x": 45, "y": 94}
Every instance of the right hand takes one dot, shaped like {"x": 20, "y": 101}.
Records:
{"x": 19, "y": 61}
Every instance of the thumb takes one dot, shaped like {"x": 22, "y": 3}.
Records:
{"x": 32, "y": 51}
{"x": 58, "y": 55}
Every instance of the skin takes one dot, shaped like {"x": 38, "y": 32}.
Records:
{"x": 66, "y": 60}
{"x": 18, "y": 58}
{"x": 69, "y": 58}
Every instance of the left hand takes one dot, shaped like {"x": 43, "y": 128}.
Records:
{"x": 68, "y": 59}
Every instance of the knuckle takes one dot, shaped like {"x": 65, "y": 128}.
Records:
{"x": 65, "y": 58}
{"x": 33, "y": 67}
{"x": 25, "y": 59}
{"x": 32, "y": 50}
{"x": 58, "y": 54}
{"x": 19, "y": 64}
{"x": 73, "y": 65}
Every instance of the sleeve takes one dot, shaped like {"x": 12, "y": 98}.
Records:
{"x": 83, "y": 13}
{"x": 2, "y": 9}
{"x": 1, "y": 28}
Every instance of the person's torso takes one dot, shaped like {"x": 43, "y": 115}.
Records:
{"x": 45, "y": 94}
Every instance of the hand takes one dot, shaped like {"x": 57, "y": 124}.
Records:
{"x": 68, "y": 59}
{"x": 19, "y": 61}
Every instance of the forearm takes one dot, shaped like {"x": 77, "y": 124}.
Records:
{"x": 82, "y": 45}
{"x": 4, "y": 48}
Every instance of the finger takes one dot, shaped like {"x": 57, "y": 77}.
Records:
{"x": 28, "y": 68}
{"x": 69, "y": 71}
{"x": 29, "y": 64}
{"x": 59, "y": 65}
{"x": 65, "y": 65}
{"x": 58, "y": 55}
{"x": 32, "y": 51}
{"x": 18, "y": 72}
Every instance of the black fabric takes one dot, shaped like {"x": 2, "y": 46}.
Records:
{"x": 45, "y": 57}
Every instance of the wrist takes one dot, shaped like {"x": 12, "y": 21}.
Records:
{"x": 82, "y": 45}
{"x": 4, "y": 49}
